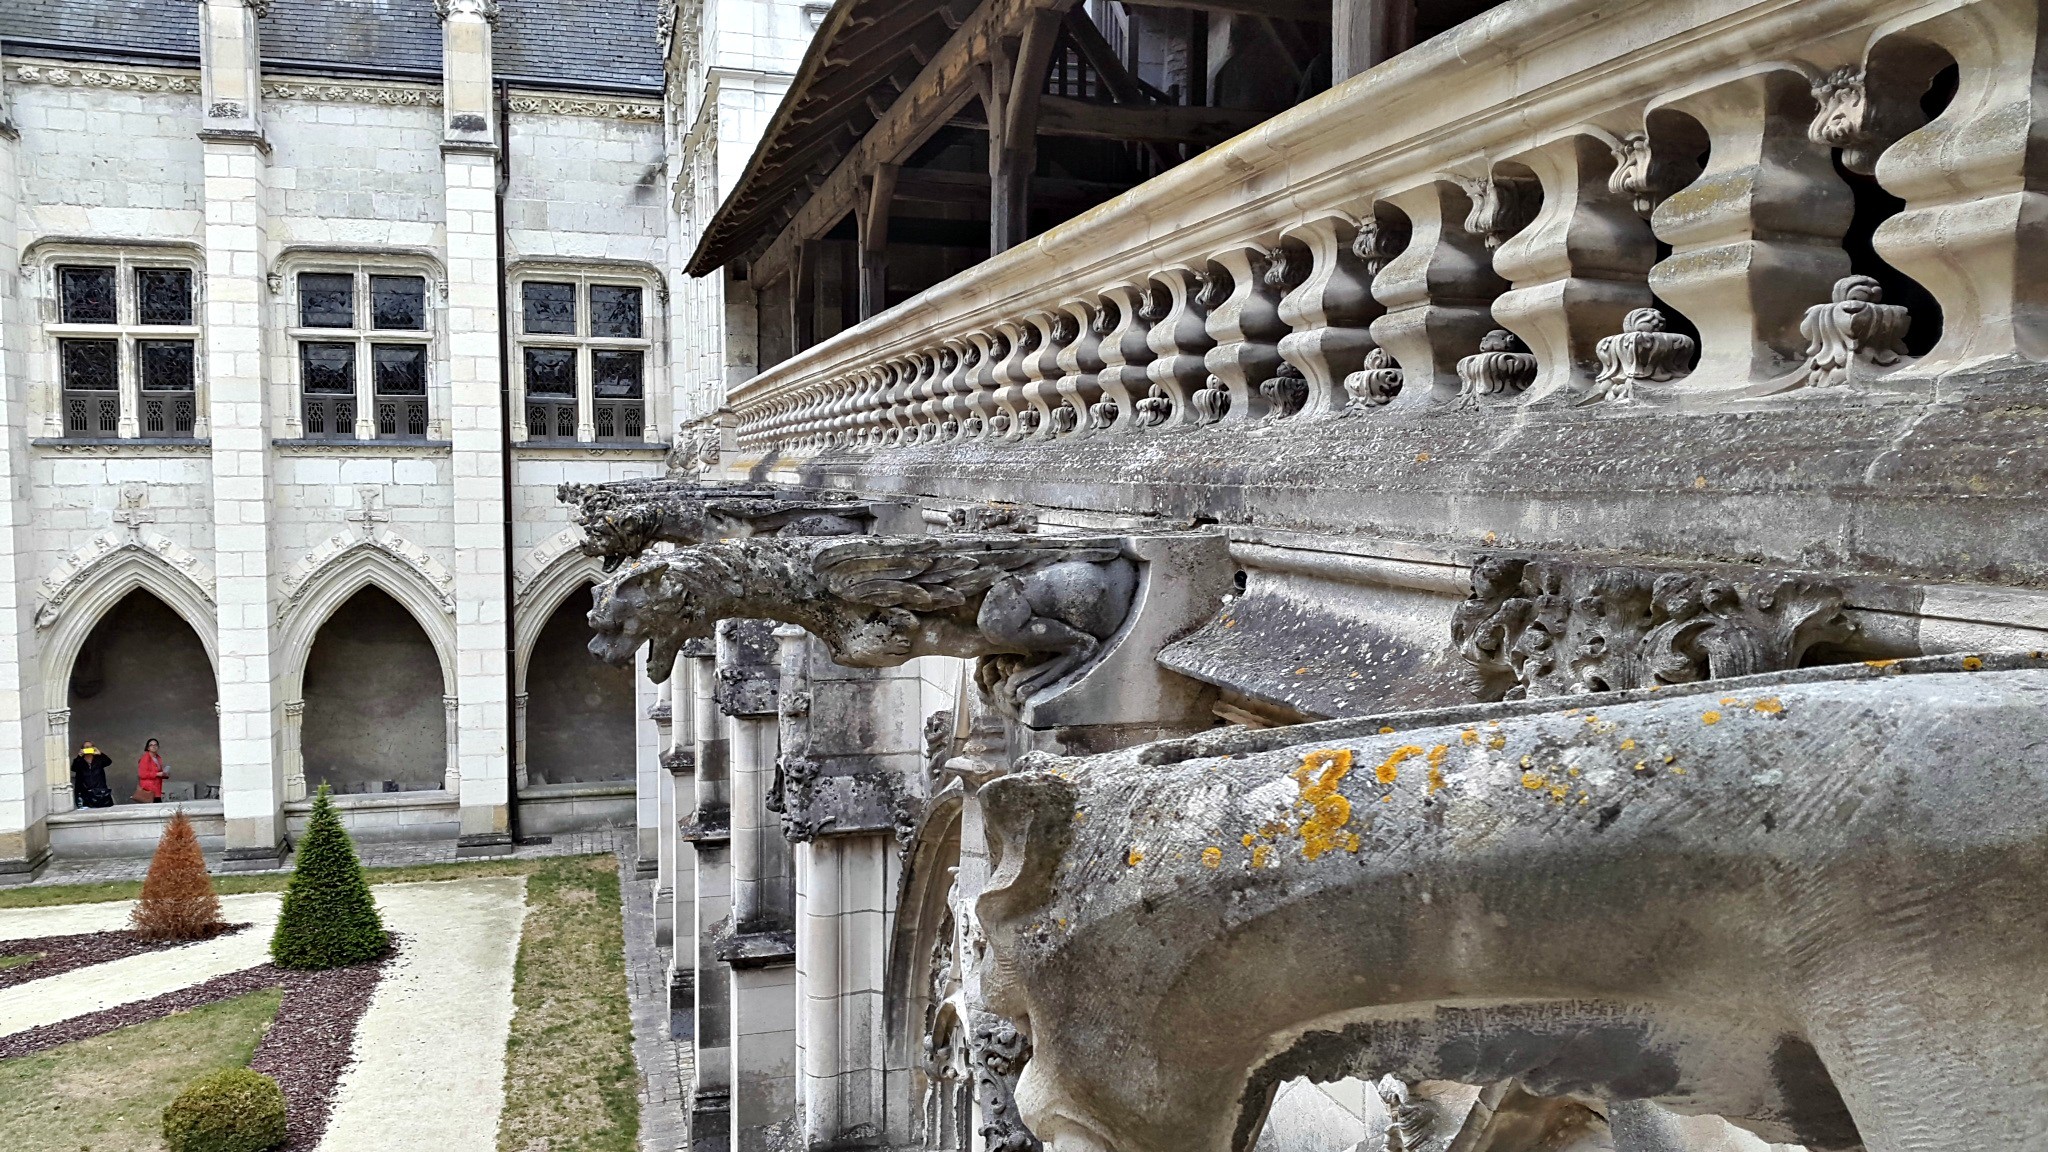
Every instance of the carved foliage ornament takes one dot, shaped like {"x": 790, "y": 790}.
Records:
{"x": 1374, "y": 385}
{"x": 1643, "y": 176}
{"x": 1503, "y": 367}
{"x": 1501, "y": 206}
{"x": 998, "y": 1051}
{"x": 1854, "y": 333}
{"x": 1643, "y": 353}
{"x": 1378, "y": 242}
{"x": 1859, "y": 118}
{"x": 1540, "y": 627}
{"x": 487, "y": 9}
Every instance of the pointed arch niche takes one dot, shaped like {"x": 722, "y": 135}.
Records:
{"x": 136, "y": 617}
{"x": 579, "y": 713}
{"x": 369, "y": 685}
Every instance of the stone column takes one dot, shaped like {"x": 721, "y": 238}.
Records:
{"x": 708, "y": 830}
{"x": 57, "y": 758}
{"x": 24, "y": 837}
{"x": 469, "y": 152}
{"x": 291, "y": 752}
{"x": 237, "y": 210}
{"x": 679, "y": 764}
{"x": 761, "y": 948}
{"x": 648, "y": 776}
{"x": 451, "y": 728}
{"x": 519, "y": 722}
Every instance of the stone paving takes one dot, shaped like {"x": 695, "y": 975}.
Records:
{"x": 373, "y": 855}
{"x": 666, "y": 1066}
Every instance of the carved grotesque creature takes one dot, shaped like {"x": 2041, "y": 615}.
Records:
{"x": 1043, "y": 606}
{"x": 623, "y": 520}
{"x": 1809, "y": 907}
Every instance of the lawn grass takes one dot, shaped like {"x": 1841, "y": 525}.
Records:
{"x": 570, "y": 1081}
{"x": 40, "y": 896}
{"x": 17, "y": 960}
{"x": 107, "y": 1094}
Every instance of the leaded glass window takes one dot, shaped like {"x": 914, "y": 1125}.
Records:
{"x": 163, "y": 296}
{"x": 327, "y": 300}
{"x": 401, "y": 369}
{"x": 328, "y": 369}
{"x": 166, "y": 365}
{"x": 615, "y": 374}
{"x": 398, "y": 303}
{"x": 91, "y": 365}
{"x": 548, "y": 308}
{"x": 86, "y": 294}
{"x": 614, "y": 311}
{"x": 551, "y": 371}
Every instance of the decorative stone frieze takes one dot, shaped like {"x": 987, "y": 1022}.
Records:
{"x": 114, "y": 78}
{"x": 535, "y": 105}
{"x": 61, "y": 583}
{"x": 354, "y": 92}
{"x": 1537, "y": 627}
{"x": 299, "y": 578}
{"x": 879, "y": 601}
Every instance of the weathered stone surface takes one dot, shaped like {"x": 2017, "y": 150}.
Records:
{"x": 1748, "y": 898}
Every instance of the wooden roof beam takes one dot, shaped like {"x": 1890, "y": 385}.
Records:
{"x": 1308, "y": 11}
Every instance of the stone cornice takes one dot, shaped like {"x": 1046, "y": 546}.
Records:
{"x": 353, "y": 92}
{"x": 119, "y": 79}
{"x": 534, "y": 103}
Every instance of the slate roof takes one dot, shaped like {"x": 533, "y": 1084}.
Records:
{"x": 601, "y": 44}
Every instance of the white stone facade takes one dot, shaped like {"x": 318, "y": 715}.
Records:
{"x": 255, "y": 529}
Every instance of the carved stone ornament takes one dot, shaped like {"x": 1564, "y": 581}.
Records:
{"x": 1411, "y": 1119}
{"x": 57, "y": 587}
{"x": 1104, "y": 413}
{"x": 1374, "y": 385}
{"x": 1155, "y": 409}
{"x": 1503, "y": 367}
{"x": 488, "y": 9}
{"x": 1377, "y": 243}
{"x": 1543, "y": 627}
{"x": 999, "y": 1051}
{"x": 1211, "y": 403}
{"x": 1643, "y": 353}
{"x": 1031, "y": 608}
{"x": 1641, "y": 176}
{"x": 695, "y": 451}
{"x": 1854, "y": 334}
{"x": 1852, "y": 117}
{"x": 1286, "y": 393}
{"x": 1501, "y": 206}
{"x": 993, "y": 518}
{"x": 622, "y": 519}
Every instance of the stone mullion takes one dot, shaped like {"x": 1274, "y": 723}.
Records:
{"x": 24, "y": 756}
{"x": 1578, "y": 269}
{"x": 469, "y": 175}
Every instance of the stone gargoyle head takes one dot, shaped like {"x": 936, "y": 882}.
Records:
{"x": 660, "y": 602}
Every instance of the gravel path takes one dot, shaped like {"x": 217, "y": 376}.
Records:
{"x": 124, "y": 981}
{"x": 430, "y": 1051}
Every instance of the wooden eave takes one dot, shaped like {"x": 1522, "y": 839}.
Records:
{"x": 863, "y": 50}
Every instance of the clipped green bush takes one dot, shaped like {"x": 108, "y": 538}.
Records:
{"x": 232, "y": 1111}
{"x": 329, "y": 919}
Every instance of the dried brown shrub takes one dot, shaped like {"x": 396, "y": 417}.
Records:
{"x": 178, "y": 901}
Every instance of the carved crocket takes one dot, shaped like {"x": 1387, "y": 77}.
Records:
{"x": 623, "y": 519}
{"x": 1032, "y": 608}
{"x": 1808, "y": 903}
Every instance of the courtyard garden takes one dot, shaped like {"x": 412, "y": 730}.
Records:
{"x": 466, "y": 1007}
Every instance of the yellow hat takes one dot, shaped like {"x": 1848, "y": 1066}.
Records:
{"x": 89, "y": 749}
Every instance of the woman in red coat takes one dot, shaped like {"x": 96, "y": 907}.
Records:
{"x": 149, "y": 772}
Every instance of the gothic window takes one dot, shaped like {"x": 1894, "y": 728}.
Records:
{"x": 364, "y": 340}
{"x": 127, "y": 349}
{"x": 583, "y": 360}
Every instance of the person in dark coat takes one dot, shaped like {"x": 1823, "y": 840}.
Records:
{"x": 89, "y": 778}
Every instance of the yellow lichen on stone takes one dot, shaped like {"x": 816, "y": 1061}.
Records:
{"x": 1352, "y": 843}
{"x": 1249, "y": 839}
{"x": 1262, "y": 855}
{"x": 1323, "y": 809}
{"x": 1390, "y": 768}
{"x": 1386, "y": 731}
{"x": 1972, "y": 663}
{"x": 1498, "y": 742}
{"x": 1879, "y": 664}
{"x": 1436, "y": 780}
{"x": 1710, "y": 718}
{"x": 1629, "y": 744}
{"x": 1769, "y": 706}
{"x": 1469, "y": 736}
{"x": 1535, "y": 781}
{"x": 1134, "y": 858}
{"x": 1212, "y": 857}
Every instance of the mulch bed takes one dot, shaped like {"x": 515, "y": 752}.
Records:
{"x": 306, "y": 1050}
{"x": 56, "y": 955}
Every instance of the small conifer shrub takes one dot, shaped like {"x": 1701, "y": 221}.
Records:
{"x": 178, "y": 901}
{"x": 232, "y": 1111}
{"x": 329, "y": 919}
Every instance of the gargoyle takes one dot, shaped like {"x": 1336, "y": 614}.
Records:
{"x": 1033, "y": 609}
{"x": 1807, "y": 903}
{"x": 621, "y": 520}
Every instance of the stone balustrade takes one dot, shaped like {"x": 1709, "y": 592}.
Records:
{"x": 1584, "y": 205}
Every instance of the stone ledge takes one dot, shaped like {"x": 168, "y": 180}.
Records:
{"x": 179, "y": 447}
{"x": 395, "y": 447}
{"x": 423, "y": 798}
{"x": 577, "y": 791}
{"x": 136, "y": 813}
{"x": 592, "y": 448}
{"x": 757, "y": 949}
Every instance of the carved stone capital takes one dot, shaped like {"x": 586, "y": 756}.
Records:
{"x": 485, "y": 9}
